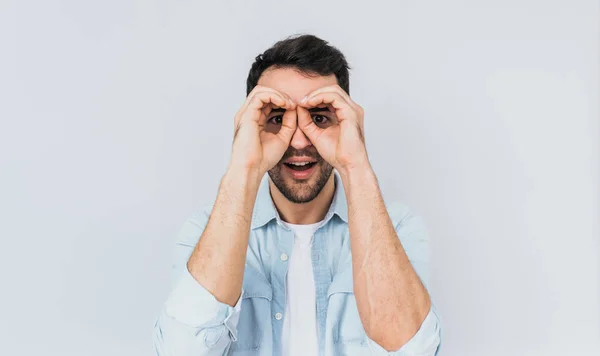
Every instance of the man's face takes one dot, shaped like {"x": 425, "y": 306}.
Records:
{"x": 301, "y": 173}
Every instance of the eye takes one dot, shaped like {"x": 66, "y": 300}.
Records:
{"x": 277, "y": 120}
{"x": 274, "y": 124}
{"x": 320, "y": 119}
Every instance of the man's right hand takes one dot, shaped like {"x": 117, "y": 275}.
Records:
{"x": 261, "y": 138}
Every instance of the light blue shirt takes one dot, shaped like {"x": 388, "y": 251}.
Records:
{"x": 193, "y": 323}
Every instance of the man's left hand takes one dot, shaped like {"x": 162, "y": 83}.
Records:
{"x": 341, "y": 140}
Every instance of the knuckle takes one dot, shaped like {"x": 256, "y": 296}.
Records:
{"x": 256, "y": 97}
{"x": 249, "y": 98}
{"x": 258, "y": 91}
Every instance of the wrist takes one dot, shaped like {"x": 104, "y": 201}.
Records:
{"x": 243, "y": 177}
{"x": 358, "y": 176}
{"x": 362, "y": 170}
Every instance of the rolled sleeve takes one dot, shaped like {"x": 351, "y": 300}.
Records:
{"x": 414, "y": 236}
{"x": 192, "y": 321}
{"x": 191, "y": 304}
{"x": 426, "y": 342}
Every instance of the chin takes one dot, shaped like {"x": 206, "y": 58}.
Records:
{"x": 301, "y": 187}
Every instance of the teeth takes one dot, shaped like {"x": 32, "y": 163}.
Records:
{"x": 299, "y": 164}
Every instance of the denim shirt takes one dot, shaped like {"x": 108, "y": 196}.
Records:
{"x": 194, "y": 323}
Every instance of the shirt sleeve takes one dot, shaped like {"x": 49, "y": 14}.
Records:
{"x": 413, "y": 235}
{"x": 426, "y": 342}
{"x": 192, "y": 321}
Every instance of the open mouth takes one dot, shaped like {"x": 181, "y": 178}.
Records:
{"x": 300, "y": 166}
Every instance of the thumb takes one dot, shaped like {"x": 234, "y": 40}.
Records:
{"x": 308, "y": 126}
{"x": 275, "y": 144}
{"x": 288, "y": 126}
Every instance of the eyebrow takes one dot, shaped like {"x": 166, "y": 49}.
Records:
{"x": 312, "y": 110}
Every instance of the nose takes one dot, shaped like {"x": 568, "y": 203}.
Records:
{"x": 299, "y": 140}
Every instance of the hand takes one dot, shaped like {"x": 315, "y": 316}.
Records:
{"x": 258, "y": 144}
{"x": 341, "y": 140}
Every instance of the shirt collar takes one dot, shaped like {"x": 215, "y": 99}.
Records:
{"x": 265, "y": 211}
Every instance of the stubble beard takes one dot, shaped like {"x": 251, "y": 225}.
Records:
{"x": 301, "y": 191}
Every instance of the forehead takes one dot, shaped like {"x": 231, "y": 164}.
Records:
{"x": 289, "y": 81}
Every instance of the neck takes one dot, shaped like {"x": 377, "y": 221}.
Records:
{"x": 305, "y": 213}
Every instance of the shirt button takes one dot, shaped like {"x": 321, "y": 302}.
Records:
{"x": 283, "y": 257}
{"x": 278, "y": 316}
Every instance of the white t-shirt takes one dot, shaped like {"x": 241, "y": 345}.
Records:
{"x": 299, "y": 334}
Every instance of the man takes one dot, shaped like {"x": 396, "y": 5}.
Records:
{"x": 304, "y": 261}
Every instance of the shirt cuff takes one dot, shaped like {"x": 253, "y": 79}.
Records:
{"x": 425, "y": 342}
{"x": 193, "y": 305}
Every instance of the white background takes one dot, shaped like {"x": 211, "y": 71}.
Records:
{"x": 116, "y": 121}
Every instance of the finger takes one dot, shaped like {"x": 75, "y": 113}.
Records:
{"x": 334, "y": 99}
{"x": 262, "y": 89}
{"x": 332, "y": 89}
{"x": 260, "y": 101}
{"x": 263, "y": 99}
{"x": 257, "y": 90}
{"x": 291, "y": 104}
{"x": 308, "y": 126}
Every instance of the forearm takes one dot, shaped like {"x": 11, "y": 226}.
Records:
{"x": 217, "y": 262}
{"x": 392, "y": 302}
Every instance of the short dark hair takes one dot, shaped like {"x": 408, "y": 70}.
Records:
{"x": 306, "y": 53}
